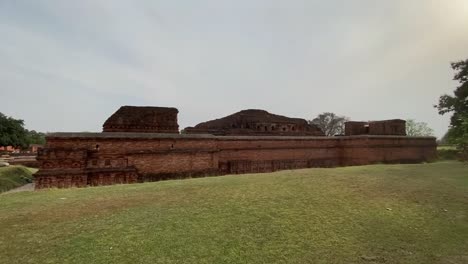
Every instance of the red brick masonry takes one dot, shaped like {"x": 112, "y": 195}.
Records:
{"x": 90, "y": 159}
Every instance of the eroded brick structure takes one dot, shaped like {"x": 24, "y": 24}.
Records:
{"x": 143, "y": 119}
{"x": 89, "y": 159}
{"x": 394, "y": 127}
{"x": 256, "y": 122}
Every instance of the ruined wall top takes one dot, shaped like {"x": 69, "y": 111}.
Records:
{"x": 146, "y": 119}
{"x": 396, "y": 127}
{"x": 256, "y": 122}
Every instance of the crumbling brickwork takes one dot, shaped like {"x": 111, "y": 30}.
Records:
{"x": 65, "y": 167}
{"x": 394, "y": 127}
{"x": 256, "y": 122}
{"x": 388, "y": 127}
{"x": 143, "y": 119}
{"x": 356, "y": 128}
{"x": 250, "y": 141}
{"x": 90, "y": 159}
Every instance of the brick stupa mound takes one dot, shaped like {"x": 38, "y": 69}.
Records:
{"x": 256, "y": 122}
{"x": 147, "y": 119}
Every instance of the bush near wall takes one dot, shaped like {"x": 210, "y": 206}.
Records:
{"x": 14, "y": 176}
{"x": 447, "y": 152}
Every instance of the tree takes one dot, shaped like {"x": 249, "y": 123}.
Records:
{"x": 34, "y": 137}
{"x": 330, "y": 123}
{"x": 458, "y": 106}
{"x": 462, "y": 141}
{"x": 12, "y": 132}
{"x": 418, "y": 129}
{"x": 458, "y": 103}
{"x": 459, "y": 138}
{"x": 445, "y": 139}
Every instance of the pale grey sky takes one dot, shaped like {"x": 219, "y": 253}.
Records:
{"x": 68, "y": 65}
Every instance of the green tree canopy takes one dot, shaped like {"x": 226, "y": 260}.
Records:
{"x": 13, "y": 133}
{"x": 457, "y": 104}
{"x": 35, "y": 137}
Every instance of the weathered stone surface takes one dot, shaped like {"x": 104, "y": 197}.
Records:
{"x": 256, "y": 122}
{"x": 145, "y": 119}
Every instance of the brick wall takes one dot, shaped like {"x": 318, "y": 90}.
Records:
{"x": 393, "y": 127}
{"x": 89, "y": 159}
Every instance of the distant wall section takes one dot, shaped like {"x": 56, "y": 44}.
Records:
{"x": 394, "y": 127}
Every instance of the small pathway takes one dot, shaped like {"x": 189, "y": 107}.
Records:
{"x": 25, "y": 188}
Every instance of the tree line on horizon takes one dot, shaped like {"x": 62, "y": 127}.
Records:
{"x": 13, "y": 133}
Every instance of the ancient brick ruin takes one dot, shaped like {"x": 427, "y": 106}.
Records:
{"x": 230, "y": 145}
{"x": 143, "y": 119}
{"x": 394, "y": 127}
{"x": 255, "y": 122}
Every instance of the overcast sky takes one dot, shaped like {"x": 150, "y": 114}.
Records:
{"x": 68, "y": 65}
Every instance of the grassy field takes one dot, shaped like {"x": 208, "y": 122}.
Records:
{"x": 365, "y": 214}
{"x": 14, "y": 176}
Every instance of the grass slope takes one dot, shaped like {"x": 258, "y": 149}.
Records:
{"x": 366, "y": 214}
{"x": 14, "y": 176}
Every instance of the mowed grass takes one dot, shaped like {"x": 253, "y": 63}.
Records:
{"x": 365, "y": 214}
{"x": 14, "y": 176}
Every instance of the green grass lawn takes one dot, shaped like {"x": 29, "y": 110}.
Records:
{"x": 14, "y": 176}
{"x": 365, "y": 214}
